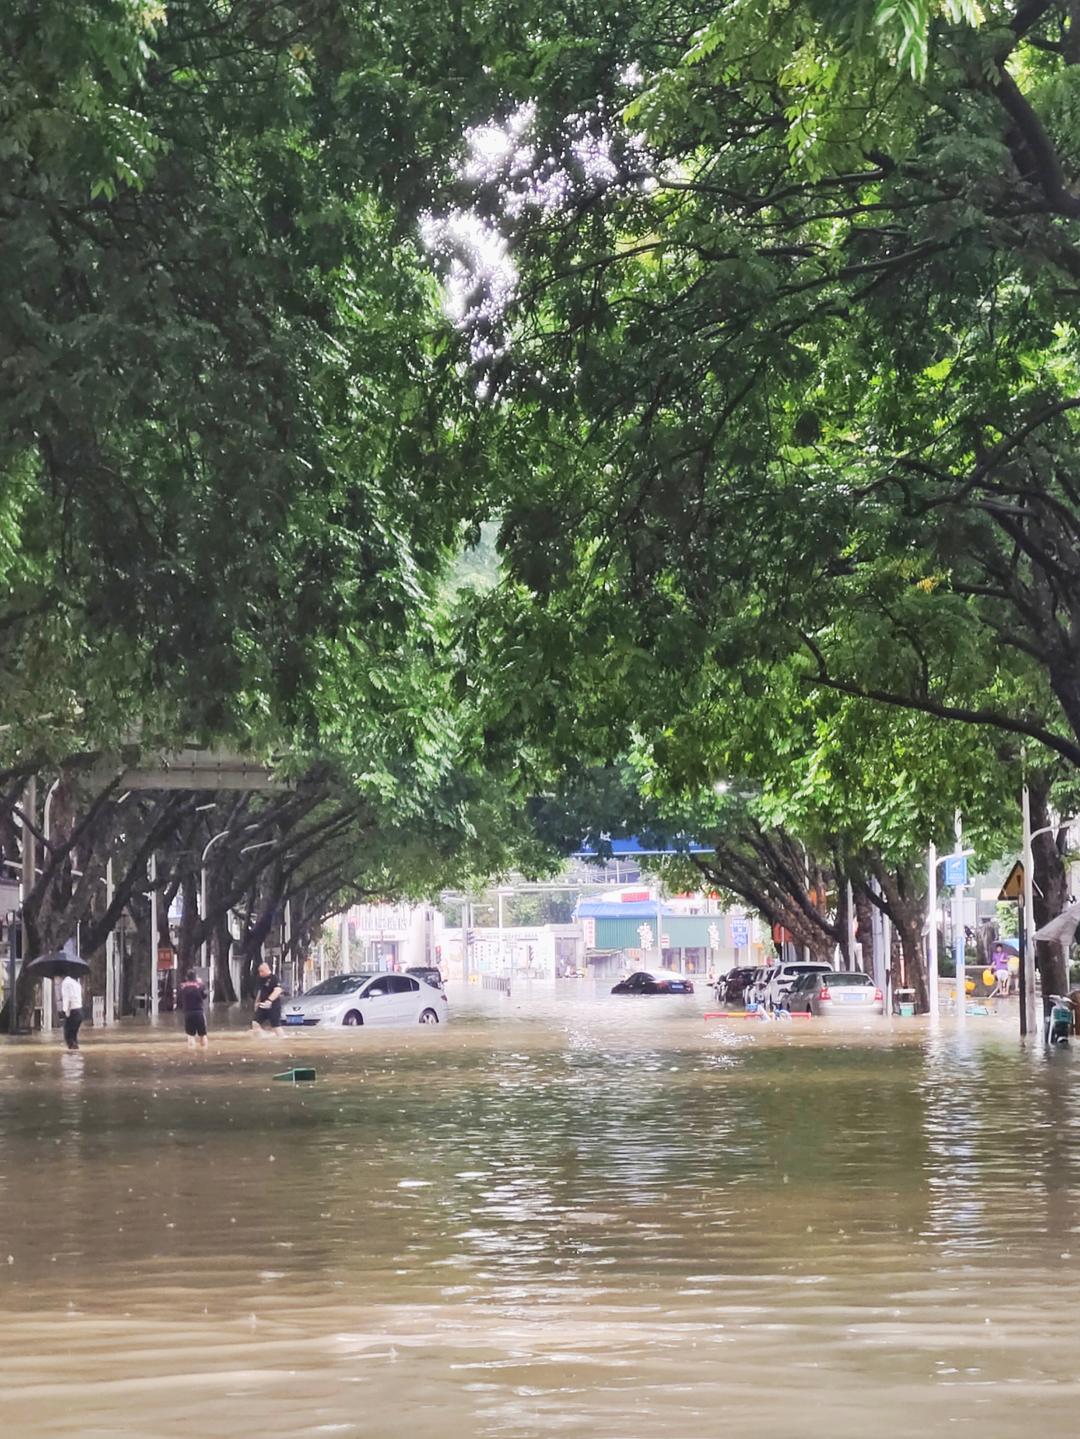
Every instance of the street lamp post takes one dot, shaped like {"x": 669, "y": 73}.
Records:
{"x": 499, "y": 922}
{"x": 932, "y": 862}
{"x": 47, "y": 984}
{"x": 959, "y": 936}
{"x": 29, "y": 871}
{"x": 287, "y": 940}
{"x": 153, "y": 938}
{"x": 110, "y": 950}
{"x": 1027, "y": 999}
{"x": 203, "y": 908}
{"x": 932, "y": 935}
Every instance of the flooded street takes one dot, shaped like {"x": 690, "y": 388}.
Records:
{"x": 575, "y": 1219}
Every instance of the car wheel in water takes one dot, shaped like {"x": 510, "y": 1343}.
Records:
{"x": 353, "y": 1018}
{"x": 429, "y": 1017}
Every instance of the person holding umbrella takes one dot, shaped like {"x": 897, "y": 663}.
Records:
{"x": 66, "y": 966}
{"x": 71, "y": 1007}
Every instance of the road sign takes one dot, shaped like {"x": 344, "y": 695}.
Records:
{"x": 740, "y": 933}
{"x": 956, "y": 869}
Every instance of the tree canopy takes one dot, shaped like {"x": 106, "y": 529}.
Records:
{"x": 777, "y": 332}
{"x": 759, "y": 359}
{"x": 789, "y": 367}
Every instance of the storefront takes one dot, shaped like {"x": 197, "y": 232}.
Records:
{"x": 622, "y": 936}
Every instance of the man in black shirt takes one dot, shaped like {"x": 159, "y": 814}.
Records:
{"x": 267, "y": 1002}
{"x": 193, "y": 1003}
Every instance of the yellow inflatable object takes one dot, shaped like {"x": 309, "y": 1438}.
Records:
{"x": 988, "y": 977}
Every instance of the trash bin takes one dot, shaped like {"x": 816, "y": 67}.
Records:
{"x": 904, "y": 1003}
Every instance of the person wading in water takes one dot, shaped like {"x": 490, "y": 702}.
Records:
{"x": 193, "y": 1003}
{"x": 268, "y": 1002}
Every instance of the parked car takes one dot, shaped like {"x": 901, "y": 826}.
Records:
{"x": 429, "y": 974}
{"x": 784, "y": 976}
{"x": 835, "y": 993}
{"x": 654, "y": 981}
{"x": 731, "y": 987}
{"x": 377, "y": 999}
{"x": 757, "y": 986}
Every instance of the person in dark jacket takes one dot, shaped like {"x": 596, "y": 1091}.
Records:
{"x": 268, "y": 999}
{"x": 193, "y": 1004}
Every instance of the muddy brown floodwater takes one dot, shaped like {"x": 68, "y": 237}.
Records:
{"x": 580, "y": 1217}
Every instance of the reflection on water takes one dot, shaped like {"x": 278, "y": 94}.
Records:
{"x": 600, "y": 1218}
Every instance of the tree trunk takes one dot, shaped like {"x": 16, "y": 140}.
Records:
{"x": 1051, "y": 891}
{"x": 221, "y": 948}
{"x": 908, "y": 930}
{"x": 864, "y": 915}
{"x": 900, "y": 900}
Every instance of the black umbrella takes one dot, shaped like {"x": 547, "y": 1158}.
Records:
{"x": 56, "y": 965}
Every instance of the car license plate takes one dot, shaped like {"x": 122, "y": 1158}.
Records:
{"x": 294, "y": 1019}
{"x": 853, "y": 998}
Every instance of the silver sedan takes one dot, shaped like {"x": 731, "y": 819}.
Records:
{"x": 372, "y": 999}
{"x": 835, "y": 993}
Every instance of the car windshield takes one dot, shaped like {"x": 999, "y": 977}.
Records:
{"x": 338, "y": 984}
{"x": 848, "y": 979}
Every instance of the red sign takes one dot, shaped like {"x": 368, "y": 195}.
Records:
{"x": 634, "y": 896}
{"x": 165, "y": 956}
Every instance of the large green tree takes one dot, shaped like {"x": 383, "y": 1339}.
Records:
{"x": 227, "y": 482}
{"x": 781, "y": 348}
{"x": 789, "y": 359}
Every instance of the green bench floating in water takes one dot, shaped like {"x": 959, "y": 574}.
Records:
{"x": 297, "y": 1076}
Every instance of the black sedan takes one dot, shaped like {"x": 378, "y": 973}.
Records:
{"x": 654, "y": 981}
{"x": 731, "y": 988}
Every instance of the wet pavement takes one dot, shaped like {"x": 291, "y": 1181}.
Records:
{"x": 579, "y": 1217}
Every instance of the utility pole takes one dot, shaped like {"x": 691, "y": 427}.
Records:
{"x": 153, "y": 938}
{"x": 110, "y": 951}
{"x": 932, "y": 935}
{"x": 48, "y": 1003}
{"x": 959, "y": 945}
{"x": 1027, "y": 997}
{"x": 29, "y": 869}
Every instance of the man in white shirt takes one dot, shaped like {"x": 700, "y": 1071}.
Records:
{"x": 71, "y": 1008}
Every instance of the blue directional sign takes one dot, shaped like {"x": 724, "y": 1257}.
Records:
{"x": 740, "y": 933}
{"x": 633, "y": 845}
{"x": 956, "y": 869}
